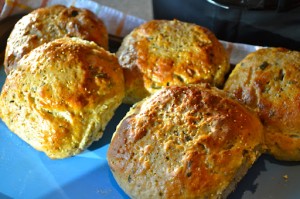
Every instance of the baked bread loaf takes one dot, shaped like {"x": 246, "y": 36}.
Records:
{"x": 46, "y": 24}
{"x": 268, "y": 81}
{"x": 162, "y": 53}
{"x": 62, "y": 95}
{"x": 184, "y": 142}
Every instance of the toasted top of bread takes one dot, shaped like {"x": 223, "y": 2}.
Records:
{"x": 62, "y": 95}
{"x": 46, "y": 24}
{"x": 184, "y": 142}
{"x": 161, "y": 53}
{"x": 268, "y": 81}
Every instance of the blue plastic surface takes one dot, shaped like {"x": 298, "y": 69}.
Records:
{"x": 27, "y": 173}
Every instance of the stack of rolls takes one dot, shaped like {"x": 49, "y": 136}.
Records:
{"x": 195, "y": 126}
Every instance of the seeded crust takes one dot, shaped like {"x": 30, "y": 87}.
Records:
{"x": 268, "y": 81}
{"x": 162, "y": 53}
{"x": 184, "y": 142}
{"x": 62, "y": 96}
{"x": 46, "y": 24}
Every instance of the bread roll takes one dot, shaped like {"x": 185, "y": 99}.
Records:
{"x": 268, "y": 81}
{"x": 162, "y": 53}
{"x": 46, "y": 24}
{"x": 184, "y": 142}
{"x": 62, "y": 95}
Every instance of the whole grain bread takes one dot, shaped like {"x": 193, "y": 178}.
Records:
{"x": 62, "y": 95}
{"x": 46, "y": 24}
{"x": 268, "y": 81}
{"x": 162, "y": 53}
{"x": 184, "y": 142}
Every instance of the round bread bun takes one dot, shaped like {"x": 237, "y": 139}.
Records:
{"x": 162, "y": 53}
{"x": 46, "y": 24}
{"x": 62, "y": 96}
{"x": 268, "y": 81}
{"x": 184, "y": 142}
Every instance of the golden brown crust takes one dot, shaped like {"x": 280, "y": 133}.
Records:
{"x": 161, "y": 53}
{"x": 268, "y": 81}
{"x": 62, "y": 96}
{"x": 184, "y": 142}
{"x": 46, "y": 24}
